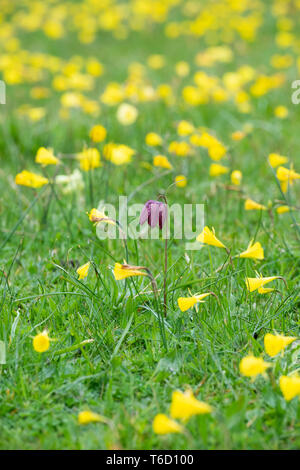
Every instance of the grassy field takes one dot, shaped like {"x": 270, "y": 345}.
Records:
{"x": 68, "y": 66}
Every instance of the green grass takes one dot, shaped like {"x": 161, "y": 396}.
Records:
{"x": 126, "y": 374}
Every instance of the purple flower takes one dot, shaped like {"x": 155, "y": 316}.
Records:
{"x": 154, "y": 212}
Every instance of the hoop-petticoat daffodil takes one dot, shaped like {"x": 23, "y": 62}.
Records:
{"x": 162, "y": 162}
{"x": 185, "y": 303}
{"x": 164, "y": 425}
{"x": 99, "y": 216}
{"x": 98, "y": 133}
{"x": 46, "y": 157}
{"x": 286, "y": 176}
{"x": 184, "y": 405}
{"x": 276, "y": 343}
{"x": 32, "y": 180}
{"x": 208, "y": 237}
{"x": 254, "y": 283}
{"x": 86, "y": 417}
{"x": 251, "y": 366}
{"x": 41, "y": 342}
{"x": 251, "y": 205}
{"x": 83, "y": 270}
{"x": 275, "y": 160}
{"x": 290, "y": 386}
{"x": 180, "y": 181}
{"x": 89, "y": 159}
{"x": 153, "y": 139}
{"x": 236, "y": 177}
{"x": 282, "y": 209}
{"x": 216, "y": 169}
{"x": 254, "y": 251}
{"x": 122, "y": 271}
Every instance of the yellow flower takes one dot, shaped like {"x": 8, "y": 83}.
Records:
{"x": 217, "y": 151}
{"x": 182, "y": 149}
{"x": 99, "y": 216}
{"x": 184, "y": 405}
{"x": 276, "y": 343}
{"x": 153, "y": 139}
{"x": 45, "y": 157}
{"x": 275, "y": 160}
{"x": 265, "y": 290}
{"x": 127, "y": 114}
{"x": 282, "y": 209}
{"x": 254, "y": 251}
{"x": 238, "y": 135}
{"x": 32, "y": 180}
{"x": 216, "y": 170}
{"x": 286, "y": 175}
{"x": 89, "y": 159}
{"x": 254, "y": 283}
{"x": 251, "y": 366}
{"x": 98, "y": 133}
{"x": 122, "y": 271}
{"x": 281, "y": 112}
{"x": 118, "y": 154}
{"x": 236, "y": 177}
{"x": 208, "y": 237}
{"x": 86, "y": 417}
{"x": 164, "y": 425}
{"x": 290, "y": 386}
{"x": 251, "y": 205}
{"x": 162, "y": 161}
{"x": 156, "y": 61}
{"x": 185, "y": 128}
{"x": 41, "y": 342}
{"x": 83, "y": 270}
{"x": 180, "y": 181}
{"x": 185, "y": 303}
{"x": 182, "y": 69}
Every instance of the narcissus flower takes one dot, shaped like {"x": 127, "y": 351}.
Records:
{"x": 238, "y": 135}
{"x": 154, "y": 212}
{"x": 216, "y": 169}
{"x": 290, "y": 386}
{"x": 275, "y": 159}
{"x": 118, "y": 154}
{"x": 98, "y": 133}
{"x": 281, "y": 112}
{"x": 182, "y": 69}
{"x": 185, "y": 128}
{"x": 254, "y": 283}
{"x": 86, "y": 417}
{"x": 236, "y": 177}
{"x": 185, "y": 303}
{"x": 286, "y": 176}
{"x": 254, "y": 251}
{"x": 282, "y": 209}
{"x": 127, "y": 114}
{"x": 251, "y": 205}
{"x": 122, "y": 271}
{"x": 99, "y": 216}
{"x": 276, "y": 343}
{"x": 89, "y": 159}
{"x": 153, "y": 139}
{"x": 83, "y": 270}
{"x": 46, "y": 157}
{"x": 162, "y": 162}
{"x": 164, "y": 425}
{"x": 208, "y": 237}
{"x": 184, "y": 405}
{"x": 32, "y": 180}
{"x": 180, "y": 181}
{"x": 251, "y": 366}
{"x": 41, "y": 342}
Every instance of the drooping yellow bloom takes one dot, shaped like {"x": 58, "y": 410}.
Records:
{"x": 236, "y": 177}
{"x": 251, "y": 205}
{"x": 182, "y": 149}
{"x": 281, "y": 112}
{"x": 182, "y": 68}
{"x": 99, "y": 216}
{"x": 238, "y": 135}
{"x": 216, "y": 169}
{"x": 162, "y": 162}
{"x": 286, "y": 176}
{"x": 265, "y": 290}
{"x": 45, "y": 157}
{"x": 83, "y": 270}
{"x": 184, "y": 405}
{"x": 32, "y": 180}
{"x": 217, "y": 151}
{"x": 185, "y": 303}
{"x": 180, "y": 181}
{"x": 122, "y": 271}
{"x": 290, "y": 386}
{"x": 276, "y": 343}
{"x": 153, "y": 139}
{"x": 254, "y": 251}
{"x": 282, "y": 209}
{"x": 208, "y": 237}
{"x": 118, "y": 154}
{"x": 251, "y": 366}
{"x": 275, "y": 159}
{"x": 86, "y": 417}
{"x": 185, "y": 128}
{"x": 254, "y": 283}
{"x": 41, "y": 342}
{"x": 89, "y": 159}
{"x": 164, "y": 425}
{"x": 127, "y": 114}
{"x": 98, "y": 133}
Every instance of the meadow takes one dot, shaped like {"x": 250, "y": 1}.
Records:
{"x": 173, "y": 101}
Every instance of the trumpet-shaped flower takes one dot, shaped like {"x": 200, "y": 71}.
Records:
{"x": 275, "y": 159}
{"x": 162, "y": 162}
{"x": 180, "y": 181}
{"x": 99, "y": 216}
{"x": 208, "y": 237}
{"x": 254, "y": 283}
{"x": 118, "y": 154}
{"x": 164, "y": 425}
{"x": 122, "y": 271}
{"x": 89, "y": 159}
{"x": 251, "y": 366}
{"x": 286, "y": 176}
{"x": 185, "y": 303}
{"x": 41, "y": 342}
{"x": 251, "y": 205}
{"x": 32, "y": 180}
{"x": 216, "y": 169}
{"x": 236, "y": 177}
{"x": 86, "y": 417}
{"x": 184, "y": 405}
{"x": 282, "y": 209}
{"x": 153, "y": 139}
{"x": 98, "y": 133}
{"x": 254, "y": 251}
{"x": 83, "y": 270}
{"x": 276, "y": 343}
{"x": 185, "y": 128}
{"x": 290, "y": 386}
{"x": 45, "y": 157}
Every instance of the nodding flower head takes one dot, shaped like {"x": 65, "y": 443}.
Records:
{"x": 154, "y": 212}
